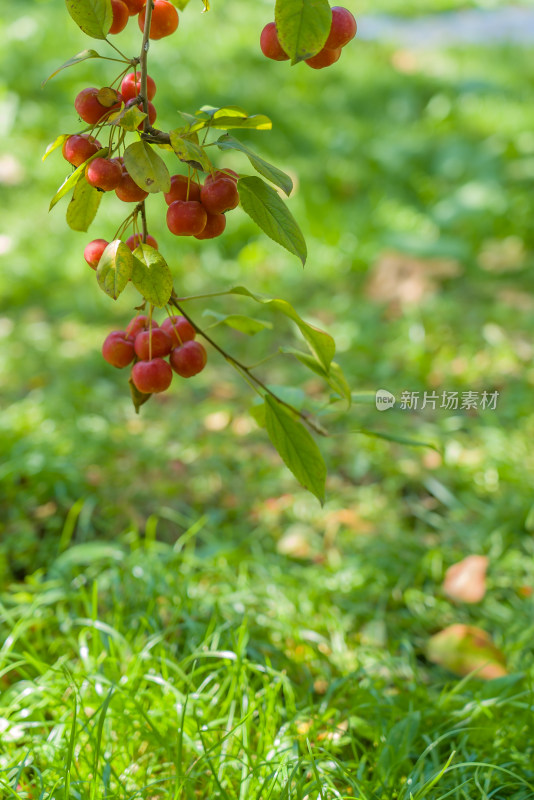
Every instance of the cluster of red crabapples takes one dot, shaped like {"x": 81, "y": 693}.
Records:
{"x": 164, "y": 16}
{"x": 148, "y": 344}
{"x": 342, "y": 30}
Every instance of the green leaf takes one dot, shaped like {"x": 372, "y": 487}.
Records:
{"x": 71, "y": 181}
{"x": 334, "y": 376}
{"x": 393, "y": 437}
{"x": 257, "y": 122}
{"x": 127, "y": 118}
{"x": 146, "y": 168}
{"x": 77, "y": 59}
{"x": 115, "y": 268}
{"x": 397, "y": 746}
{"x": 83, "y": 206}
{"x": 268, "y": 171}
{"x": 189, "y": 151}
{"x": 302, "y": 26}
{"x": 296, "y": 447}
{"x": 239, "y": 322}
{"x": 257, "y": 412}
{"x": 138, "y": 398}
{"x": 93, "y": 17}
{"x": 61, "y": 139}
{"x": 270, "y": 213}
{"x": 151, "y": 275}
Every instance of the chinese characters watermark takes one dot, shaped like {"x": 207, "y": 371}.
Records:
{"x": 446, "y": 400}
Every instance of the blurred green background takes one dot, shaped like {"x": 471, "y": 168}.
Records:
{"x": 413, "y": 171}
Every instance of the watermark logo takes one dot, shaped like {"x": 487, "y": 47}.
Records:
{"x": 447, "y": 400}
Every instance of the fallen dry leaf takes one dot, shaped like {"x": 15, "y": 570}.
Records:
{"x": 463, "y": 649}
{"x": 466, "y": 580}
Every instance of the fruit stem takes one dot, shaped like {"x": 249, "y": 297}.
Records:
{"x": 247, "y": 373}
{"x": 143, "y": 63}
{"x": 142, "y": 209}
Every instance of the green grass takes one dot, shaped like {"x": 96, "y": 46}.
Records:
{"x": 162, "y": 636}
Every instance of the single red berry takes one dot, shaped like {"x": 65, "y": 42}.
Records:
{"x": 270, "y": 44}
{"x": 324, "y": 58}
{"x": 139, "y": 323}
{"x": 78, "y": 148}
{"x": 161, "y": 344}
{"x": 134, "y": 6}
{"x": 93, "y": 252}
{"x": 226, "y": 173}
{"x": 131, "y": 86}
{"x": 104, "y": 174}
{"x": 152, "y": 114}
{"x": 136, "y": 239}
{"x": 89, "y": 108}
{"x": 214, "y": 227}
{"x": 343, "y": 28}
{"x": 186, "y": 217}
{"x": 152, "y": 376}
{"x": 128, "y": 191}
{"x": 182, "y": 189}
{"x": 219, "y": 195}
{"x": 179, "y": 329}
{"x": 118, "y": 350}
{"x": 189, "y": 359}
{"x": 164, "y": 19}
{"x": 121, "y": 15}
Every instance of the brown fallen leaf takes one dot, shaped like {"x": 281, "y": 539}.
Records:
{"x": 462, "y": 649}
{"x": 466, "y": 580}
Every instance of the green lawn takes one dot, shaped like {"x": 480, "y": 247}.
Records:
{"x": 179, "y": 619}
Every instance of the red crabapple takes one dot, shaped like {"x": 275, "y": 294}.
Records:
{"x": 93, "y": 252}
{"x": 324, "y": 58}
{"x": 270, "y": 44}
{"x": 179, "y": 329}
{"x": 152, "y": 114}
{"x": 226, "y": 173}
{"x": 214, "y": 227}
{"x": 186, "y": 217}
{"x": 164, "y": 19}
{"x": 89, "y": 108}
{"x": 128, "y": 191}
{"x": 136, "y": 239}
{"x": 104, "y": 174}
{"x": 343, "y": 28}
{"x": 161, "y": 344}
{"x": 118, "y": 350}
{"x": 121, "y": 15}
{"x": 139, "y": 323}
{"x": 131, "y": 86}
{"x": 189, "y": 359}
{"x": 78, "y": 148}
{"x": 219, "y": 195}
{"x": 182, "y": 189}
{"x": 134, "y": 6}
{"x": 152, "y": 376}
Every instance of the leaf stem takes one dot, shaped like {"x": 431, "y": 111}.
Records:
{"x": 246, "y": 371}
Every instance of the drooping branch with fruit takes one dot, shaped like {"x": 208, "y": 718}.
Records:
{"x": 198, "y": 196}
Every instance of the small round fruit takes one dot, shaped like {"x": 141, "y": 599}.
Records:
{"x": 138, "y": 324}
{"x": 93, "y": 252}
{"x": 324, "y": 58}
{"x": 219, "y": 195}
{"x": 102, "y": 173}
{"x": 89, "y": 108}
{"x": 189, "y": 359}
{"x": 152, "y": 376}
{"x": 78, "y": 148}
{"x": 270, "y": 44}
{"x": 136, "y": 239}
{"x": 152, "y": 114}
{"x": 131, "y": 86}
{"x": 121, "y": 15}
{"x": 118, "y": 350}
{"x": 227, "y": 173}
{"x": 343, "y": 28}
{"x": 161, "y": 344}
{"x": 182, "y": 189}
{"x": 128, "y": 191}
{"x": 164, "y": 19}
{"x": 186, "y": 217}
{"x": 214, "y": 227}
{"x": 134, "y": 6}
{"x": 179, "y": 329}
